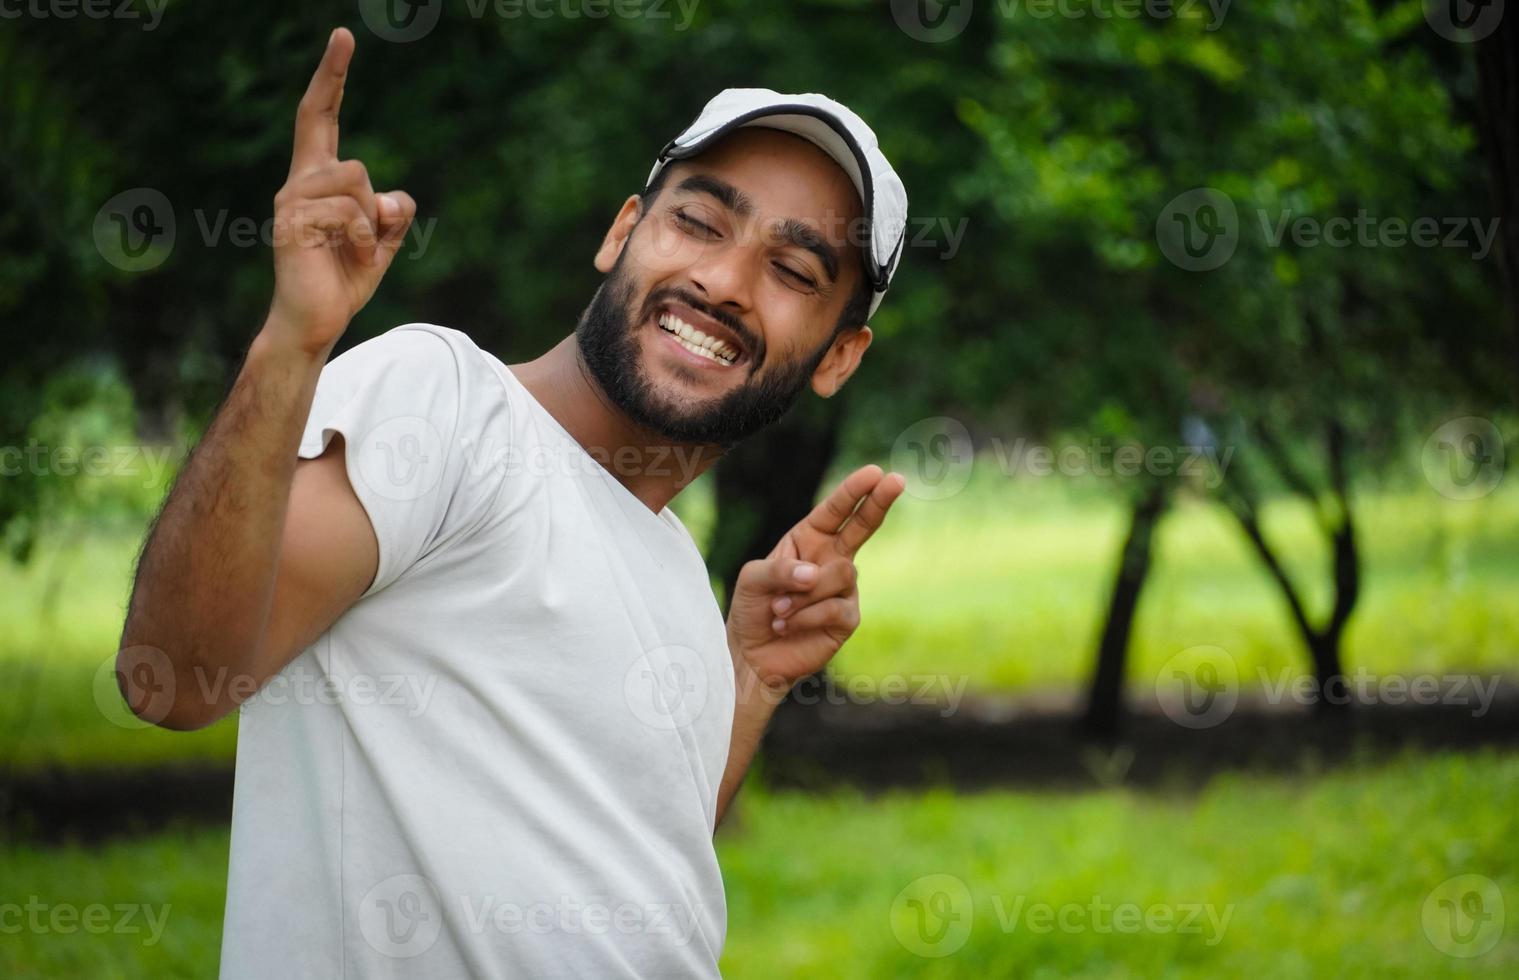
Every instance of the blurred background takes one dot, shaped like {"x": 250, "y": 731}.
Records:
{"x": 1190, "y": 650}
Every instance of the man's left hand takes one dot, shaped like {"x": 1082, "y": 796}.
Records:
{"x": 793, "y": 609}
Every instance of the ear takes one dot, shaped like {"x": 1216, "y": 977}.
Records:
{"x": 841, "y": 360}
{"x": 617, "y": 235}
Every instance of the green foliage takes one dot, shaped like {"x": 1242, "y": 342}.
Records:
{"x": 1051, "y": 143}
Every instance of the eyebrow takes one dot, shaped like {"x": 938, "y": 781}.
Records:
{"x": 791, "y": 230}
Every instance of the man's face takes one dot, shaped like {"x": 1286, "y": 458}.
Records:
{"x": 746, "y": 253}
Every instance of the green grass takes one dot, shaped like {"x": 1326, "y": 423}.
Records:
{"x": 1001, "y": 585}
{"x": 1327, "y": 877}
{"x": 1005, "y": 585}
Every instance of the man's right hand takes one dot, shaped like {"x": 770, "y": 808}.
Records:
{"x": 334, "y": 236}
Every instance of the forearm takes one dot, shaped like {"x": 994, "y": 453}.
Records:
{"x": 205, "y": 579}
{"x": 754, "y": 705}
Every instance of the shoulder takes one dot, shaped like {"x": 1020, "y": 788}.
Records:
{"x": 421, "y": 359}
{"x": 423, "y": 348}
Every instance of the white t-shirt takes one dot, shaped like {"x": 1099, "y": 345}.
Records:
{"x": 503, "y": 760}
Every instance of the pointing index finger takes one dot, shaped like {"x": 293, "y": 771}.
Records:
{"x": 871, "y": 514}
{"x": 829, "y": 516}
{"x": 316, "y": 120}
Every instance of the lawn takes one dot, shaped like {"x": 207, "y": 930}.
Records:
{"x": 1255, "y": 877}
{"x": 999, "y": 587}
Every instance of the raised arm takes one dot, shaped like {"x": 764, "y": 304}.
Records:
{"x": 256, "y": 552}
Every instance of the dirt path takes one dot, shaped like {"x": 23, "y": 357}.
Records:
{"x": 1027, "y": 742}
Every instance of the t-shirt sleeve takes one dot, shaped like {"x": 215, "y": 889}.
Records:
{"x": 407, "y": 410}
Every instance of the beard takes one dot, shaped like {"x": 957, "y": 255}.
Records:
{"x": 606, "y": 335}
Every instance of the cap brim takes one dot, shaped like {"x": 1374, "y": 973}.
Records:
{"x": 823, "y": 130}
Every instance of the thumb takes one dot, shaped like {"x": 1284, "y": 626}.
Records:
{"x": 769, "y": 576}
{"x": 396, "y": 212}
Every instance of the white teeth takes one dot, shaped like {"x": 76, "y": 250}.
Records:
{"x": 697, "y": 342}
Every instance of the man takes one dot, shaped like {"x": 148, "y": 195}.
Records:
{"x": 490, "y": 711}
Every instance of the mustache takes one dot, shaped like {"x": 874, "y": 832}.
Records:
{"x": 744, "y": 334}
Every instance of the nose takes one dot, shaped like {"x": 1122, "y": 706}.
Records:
{"x": 722, "y": 277}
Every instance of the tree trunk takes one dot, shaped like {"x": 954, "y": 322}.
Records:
{"x": 1338, "y": 523}
{"x": 1498, "y": 107}
{"x": 1105, "y": 698}
{"x": 768, "y": 483}
{"x": 764, "y": 486}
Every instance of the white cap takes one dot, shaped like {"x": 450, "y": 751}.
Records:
{"x": 838, "y": 132}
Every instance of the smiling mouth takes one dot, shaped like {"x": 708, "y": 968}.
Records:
{"x": 698, "y": 343}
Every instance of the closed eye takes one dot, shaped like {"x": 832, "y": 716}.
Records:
{"x": 693, "y": 226}
{"x": 799, "y": 278}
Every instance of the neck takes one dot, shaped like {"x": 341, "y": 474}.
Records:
{"x": 653, "y": 468}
